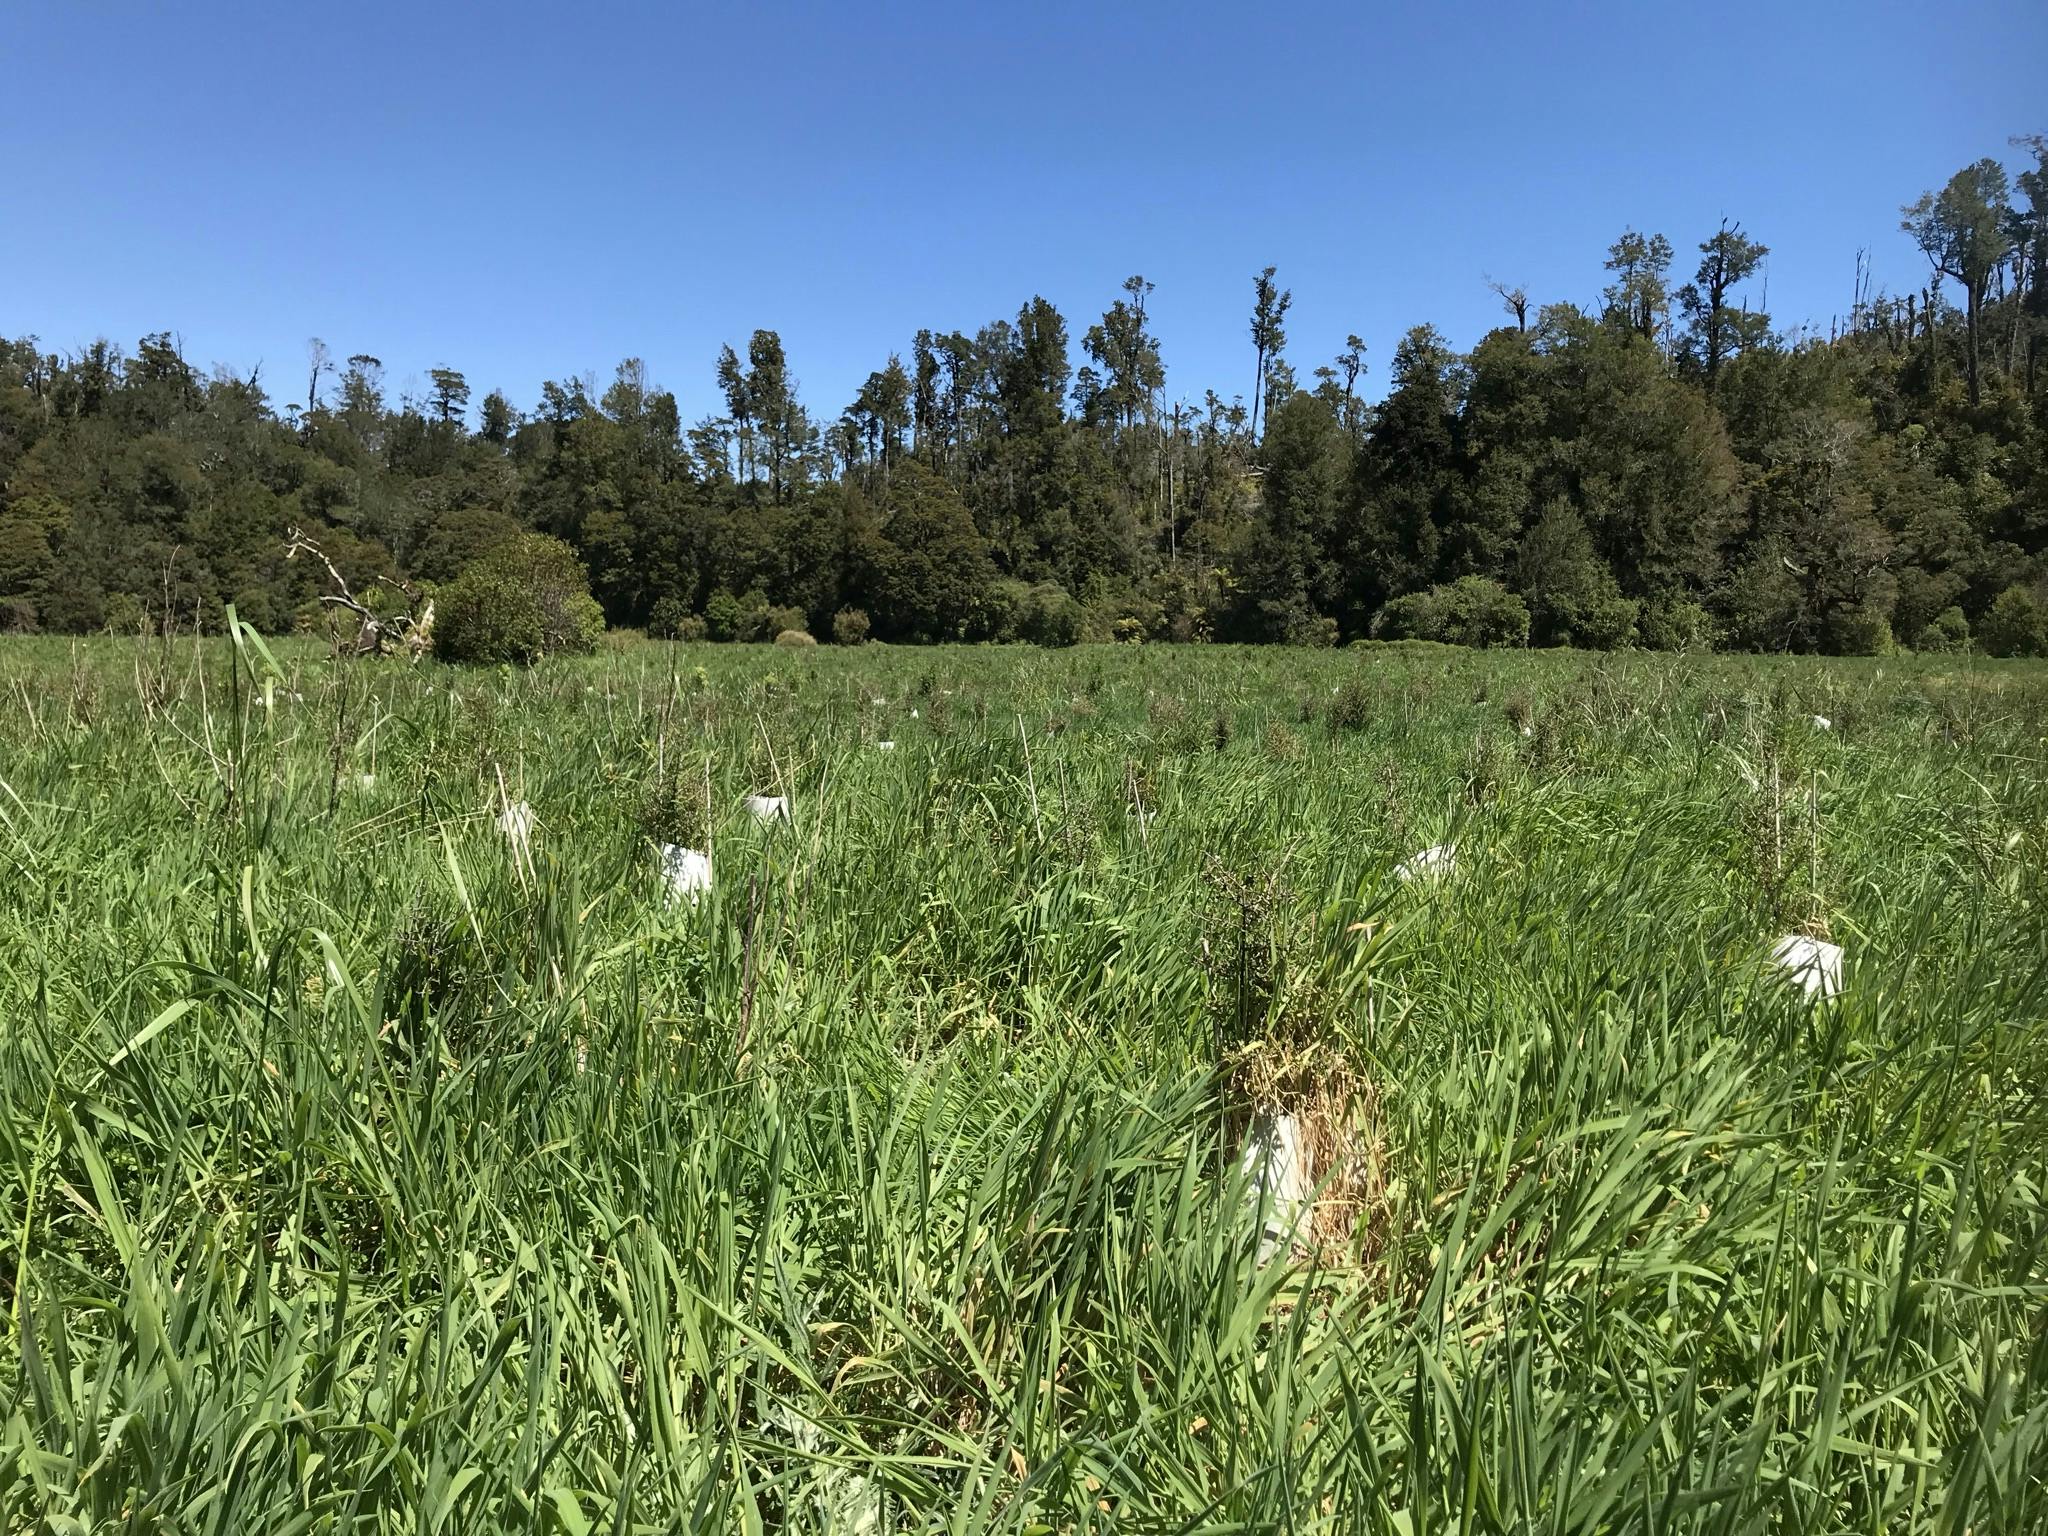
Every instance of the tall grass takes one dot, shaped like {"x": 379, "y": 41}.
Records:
{"x": 360, "y": 1175}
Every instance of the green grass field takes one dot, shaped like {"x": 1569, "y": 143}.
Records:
{"x": 363, "y": 1173}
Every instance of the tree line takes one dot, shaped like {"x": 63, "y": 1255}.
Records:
{"x": 1666, "y": 468}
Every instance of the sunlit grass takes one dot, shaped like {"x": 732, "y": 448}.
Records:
{"x": 361, "y": 1175}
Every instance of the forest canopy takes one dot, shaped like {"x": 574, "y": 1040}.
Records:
{"x": 1665, "y": 469}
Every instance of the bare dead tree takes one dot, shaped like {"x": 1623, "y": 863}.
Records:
{"x": 1515, "y": 299}
{"x": 318, "y": 361}
{"x": 409, "y": 630}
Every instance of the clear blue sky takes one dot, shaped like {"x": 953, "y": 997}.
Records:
{"x": 525, "y": 191}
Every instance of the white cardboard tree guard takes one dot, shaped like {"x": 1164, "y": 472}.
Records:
{"x": 768, "y": 807}
{"x": 885, "y": 746}
{"x": 516, "y": 822}
{"x": 1823, "y": 723}
{"x": 1430, "y": 864}
{"x": 686, "y": 871}
{"x": 1813, "y": 964}
{"x": 1277, "y": 1183}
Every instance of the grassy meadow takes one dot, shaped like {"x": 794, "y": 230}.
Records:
{"x": 367, "y": 1169}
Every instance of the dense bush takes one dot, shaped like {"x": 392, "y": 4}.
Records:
{"x": 1638, "y": 471}
{"x": 526, "y": 599}
{"x": 667, "y": 618}
{"x": 849, "y": 627}
{"x": 1676, "y": 624}
{"x": 722, "y": 616}
{"x": 2017, "y": 624}
{"x": 796, "y": 640}
{"x": 1946, "y": 631}
{"x": 1469, "y": 611}
{"x": 1860, "y": 632}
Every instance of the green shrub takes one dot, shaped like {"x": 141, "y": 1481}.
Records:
{"x": 722, "y": 616}
{"x": 2017, "y": 624}
{"x": 795, "y": 640}
{"x": 1046, "y": 614}
{"x": 1675, "y": 624}
{"x": 757, "y": 619}
{"x": 125, "y": 614}
{"x": 1470, "y": 611}
{"x": 850, "y": 627}
{"x": 1351, "y": 706}
{"x": 524, "y": 600}
{"x": 1414, "y": 616}
{"x": 668, "y": 615}
{"x": 1860, "y": 632}
{"x": 1946, "y": 631}
{"x": 1607, "y": 623}
{"x": 1052, "y": 616}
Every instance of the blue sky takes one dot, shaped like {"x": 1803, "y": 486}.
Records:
{"x": 526, "y": 192}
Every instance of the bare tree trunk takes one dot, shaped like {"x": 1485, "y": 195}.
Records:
{"x": 1970, "y": 328}
{"x": 1258, "y": 389}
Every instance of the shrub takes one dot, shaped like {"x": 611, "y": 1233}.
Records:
{"x": 722, "y": 616}
{"x": 1946, "y": 631}
{"x": 795, "y": 640}
{"x": 1415, "y": 616}
{"x": 1860, "y": 632}
{"x": 1470, "y": 611}
{"x": 124, "y": 614}
{"x": 850, "y": 627}
{"x": 1607, "y": 623}
{"x": 1119, "y": 614}
{"x": 1675, "y": 624}
{"x": 2017, "y": 624}
{"x": 1046, "y": 614}
{"x": 756, "y": 620}
{"x": 1482, "y": 613}
{"x": 17, "y": 616}
{"x": 1351, "y": 706}
{"x": 1051, "y": 616}
{"x": 524, "y": 600}
{"x": 667, "y": 615}
{"x": 782, "y": 620}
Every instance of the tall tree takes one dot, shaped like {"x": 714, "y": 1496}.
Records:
{"x": 1729, "y": 257}
{"x": 732, "y": 383}
{"x": 1515, "y": 299}
{"x": 1963, "y": 232}
{"x": 1270, "y": 303}
{"x": 318, "y": 361}
{"x": 1351, "y": 367}
{"x": 451, "y": 393}
{"x": 1639, "y": 297}
{"x": 1128, "y": 355}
